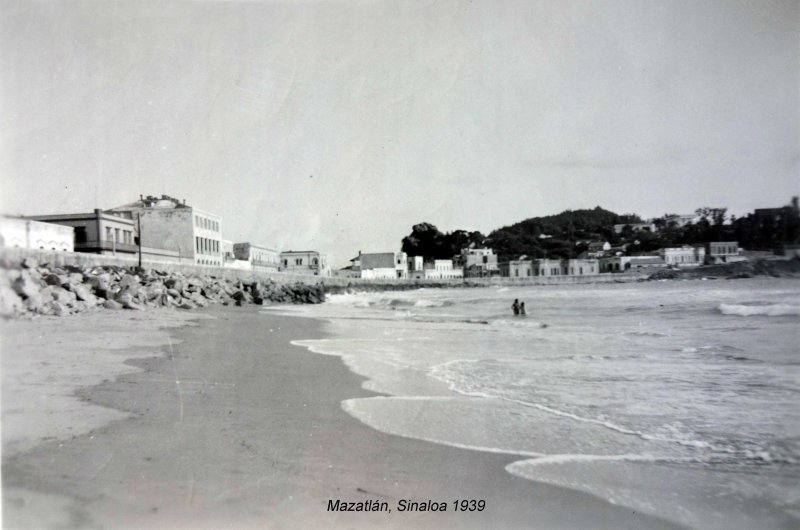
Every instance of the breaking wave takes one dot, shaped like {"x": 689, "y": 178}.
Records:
{"x": 772, "y": 310}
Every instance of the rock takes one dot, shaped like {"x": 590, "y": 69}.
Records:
{"x": 59, "y": 294}
{"x": 100, "y": 282}
{"x": 111, "y": 304}
{"x": 129, "y": 281}
{"x": 186, "y": 305}
{"x": 29, "y": 263}
{"x": 154, "y": 290}
{"x": 75, "y": 278}
{"x": 10, "y": 302}
{"x": 174, "y": 293}
{"x": 57, "y": 309}
{"x": 26, "y": 286}
{"x": 82, "y": 292}
{"x": 54, "y": 279}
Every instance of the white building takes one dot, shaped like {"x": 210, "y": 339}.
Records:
{"x": 27, "y": 233}
{"x": 684, "y": 256}
{"x": 304, "y": 262}
{"x": 441, "y": 269}
{"x": 167, "y": 223}
{"x": 479, "y": 262}
{"x": 260, "y": 258}
{"x": 382, "y": 265}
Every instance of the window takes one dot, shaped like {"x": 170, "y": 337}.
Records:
{"x": 116, "y": 234}
{"x": 108, "y": 233}
{"x": 298, "y": 261}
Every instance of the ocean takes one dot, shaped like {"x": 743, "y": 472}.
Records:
{"x": 679, "y": 399}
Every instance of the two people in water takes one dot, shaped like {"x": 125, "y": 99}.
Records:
{"x": 518, "y": 307}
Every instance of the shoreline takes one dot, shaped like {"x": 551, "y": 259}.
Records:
{"x": 259, "y": 437}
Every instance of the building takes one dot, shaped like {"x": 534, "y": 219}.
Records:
{"x": 382, "y": 265}
{"x": 227, "y": 252}
{"x": 681, "y": 220}
{"x": 547, "y": 267}
{"x": 684, "y": 256}
{"x": 27, "y": 233}
{"x": 304, "y": 262}
{"x": 581, "y": 267}
{"x": 167, "y": 223}
{"x": 97, "y": 232}
{"x": 722, "y": 252}
{"x": 479, "y": 262}
{"x": 519, "y": 268}
{"x": 626, "y": 263}
{"x": 259, "y": 257}
{"x": 635, "y": 227}
{"x": 441, "y": 269}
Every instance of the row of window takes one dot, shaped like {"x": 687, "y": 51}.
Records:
{"x": 212, "y": 262}
{"x": 113, "y": 234}
{"x": 203, "y": 245}
{"x": 208, "y": 224}
{"x": 299, "y": 261}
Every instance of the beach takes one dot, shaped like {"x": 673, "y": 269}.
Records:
{"x": 218, "y": 421}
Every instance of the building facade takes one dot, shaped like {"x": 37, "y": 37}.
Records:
{"x": 167, "y": 223}
{"x": 441, "y": 269}
{"x": 479, "y": 262}
{"x": 261, "y": 258}
{"x": 685, "y": 256}
{"x": 97, "y": 232}
{"x": 304, "y": 262}
{"x": 27, "y": 233}
{"x": 382, "y": 265}
{"x": 722, "y": 252}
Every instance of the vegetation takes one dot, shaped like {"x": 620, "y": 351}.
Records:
{"x": 569, "y": 233}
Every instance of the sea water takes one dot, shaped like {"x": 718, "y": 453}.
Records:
{"x": 679, "y": 399}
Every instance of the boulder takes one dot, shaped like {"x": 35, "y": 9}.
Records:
{"x": 26, "y": 286}
{"x": 55, "y": 279}
{"x": 129, "y": 281}
{"x": 82, "y": 292}
{"x": 111, "y": 304}
{"x": 10, "y": 302}
{"x": 29, "y": 263}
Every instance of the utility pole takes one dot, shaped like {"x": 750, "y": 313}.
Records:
{"x": 139, "y": 228}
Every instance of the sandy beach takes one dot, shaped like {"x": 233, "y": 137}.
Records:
{"x": 227, "y": 425}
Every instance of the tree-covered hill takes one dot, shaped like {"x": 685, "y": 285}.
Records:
{"x": 555, "y": 236}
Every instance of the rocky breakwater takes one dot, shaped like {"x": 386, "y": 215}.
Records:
{"x": 30, "y": 288}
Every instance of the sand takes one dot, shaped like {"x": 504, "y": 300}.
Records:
{"x": 227, "y": 425}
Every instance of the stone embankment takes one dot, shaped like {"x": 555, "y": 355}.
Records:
{"x": 741, "y": 269}
{"x": 30, "y": 288}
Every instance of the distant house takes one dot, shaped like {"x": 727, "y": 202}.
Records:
{"x": 681, "y": 220}
{"x": 479, "y": 262}
{"x": 441, "y": 269}
{"x": 596, "y": 249}
{"x": 97, "y": 232}
{"x": 259, "y": 257}
{"x": 685, "y": 256}
{"x": 194, "y": 235}
{"x": 382, "y": 265}
{"x": 722, "y": 252}
{"x": 582, "y": 267}
{"x": 548, "y": 267}
{"x": 635, "y": 227}
{"x": 518, "y": 268}
{"x": 304, "y": 262}
{"x": 27, "y": 233}
{"x": 626, "y": 263}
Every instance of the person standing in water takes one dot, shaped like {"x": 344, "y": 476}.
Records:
{"x": 515, "y": 306}
{"x": 522, "y": 309}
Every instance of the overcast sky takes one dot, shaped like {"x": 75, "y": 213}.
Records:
{"x": 338, "y": 125}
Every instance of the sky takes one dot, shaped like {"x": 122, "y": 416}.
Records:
{"x": 338, "y": 125}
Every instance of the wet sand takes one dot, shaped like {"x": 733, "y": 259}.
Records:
{"x": 230, "y": 426}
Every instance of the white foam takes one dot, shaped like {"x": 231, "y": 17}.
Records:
{"x": 772, "y": 310}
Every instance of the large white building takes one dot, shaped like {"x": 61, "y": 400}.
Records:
{"x": 479, "y": 262}
{"x": 28, "y": 233}
{"x": 259, "y": 257}
{"x": 304, "y": 262}
{"x": 167, "y": 223}
{"x": 684, "y": 256}
{"x": 382, "y": 265}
